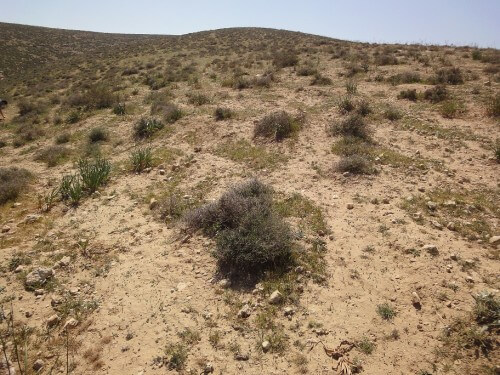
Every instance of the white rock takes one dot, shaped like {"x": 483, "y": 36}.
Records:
{"x": 244, "y": 312}
{"x": 494, "y": 240}
{"x": 39, "y": 276}
{"x": 275, "y": 297}
{"x": 266, "y": 345}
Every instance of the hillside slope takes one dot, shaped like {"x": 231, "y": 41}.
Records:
{"x": 368, "y": 245}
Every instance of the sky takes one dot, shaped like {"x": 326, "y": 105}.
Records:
{"x": 457, "y": 22}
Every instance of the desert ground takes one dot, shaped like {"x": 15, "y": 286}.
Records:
{"x": 247, "y": 201}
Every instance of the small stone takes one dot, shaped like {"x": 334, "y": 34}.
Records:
{"x": 74, "y": 291}
{"x": 454, "y": 256}
{"x": 451, "y": 226}
{"x": 350, "y": 206}
{"x": 5, "y": 229}
{"x": 469, "y": 279}
{"x": 208, "y": 369}
{"x": 436, "y": 224}
{"x": 38, "y": 364}
{"x": 19, "y": 269}
{"x": 28, "y": 314}
{"x": 197, "y": 149}
{"x": 494, "y": 240}
{"x": 39, "y": 276}
{"x": 241, "y": 357}
{"x": 450, "y": 203}
{"x": 288, "y": 311}
{"x": 64, "y": 262}
{"x": 244, "y": 312}
{"x": 39, "y": 292}
{"x": 56, "y": 300}
{"x": 266, "y": 345}
{"x": 415, "y": 300}
{"x": 275, "y": 297}
{"x": 153, "y": 203}
{"x": 175, "y": 167}
{"x": 431, "y": 205}
{"x": 161, "y": 172}
{"x": 32, "y": 218}
{"x": 385, "y": 201}
{"x": 53, "y": 320}
{"x": 224, "y": 283}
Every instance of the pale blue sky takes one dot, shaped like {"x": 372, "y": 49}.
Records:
{"x": 460, "y": 22}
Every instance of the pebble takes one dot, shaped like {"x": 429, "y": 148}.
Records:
{"x": 275, "y": 297}
{"x": 494, "y": 240}
{"x": 53, "y": 320}
{"x": 38, "y": 364}
{"x": 266, "y": 345}
{"x": 431, "y": 249}
{"x": 244, "y": 312}
{"x": 350, "y": 206}
{"x": 39, "y": 276}
{"x": 5, "y": 229}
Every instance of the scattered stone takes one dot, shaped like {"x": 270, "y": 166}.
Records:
{"x": 32, "y": 218}
{"x": 161, "y": 172}
{"x": 275, "y": 297}
{"x": 64, "y": 262}
{"x": 244, "y": 312}
{"x": 454, "y": 256}
{"x": 431, "y": 205}
{"x": 39, "y": 276}
{"x": 181, "y": 286}
{"x": 494, "y": 240}
{"x": 224, "y": 283}
{"x": 436, "y": 224}
{"x": 5, "y": 229}
{"x": 39, "y": 292}
{"x": 469, "y": 279}
{"x": 266, "y": 345}
{"x": 53, "y": 320}
{"x": 288, "y": 311}
{"x": 153, "y": 203}
{"x": 208, "y": 369}
{"x": 451, "y": 226}
{"x": 197, "y": 149}
{"x": 38, "y": 364}
{"x": 176, "y": 167}
{"x": 19, "y": 269}
{"x": 56, "y": 300}
{"x": 415, "y": 300}
{"x": 350, "y": 206}
{"x": 241, "y": 357}
{"x": 385, "y": 201}
{"x": 450, "y": 203}
{"x": 417, "y": 216}
{"x": 28, "y": 314}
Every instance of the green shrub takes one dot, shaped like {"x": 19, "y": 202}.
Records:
{"x": 13, "y": 181}
{"x": 410, "y": 94}
{"x": 493, "y": 106}
{"x": 386, "y": 312}
{"x": 352, "y": 126}
{"x": 487, "y": 309}
{"x": 93, "y": 174}
{"x": 119, "y": 109}
{"x": 198, "y": 99}
{"x": 351, "y": 87}
{"x": 73, "y": 117}
{"x": 71, "y": 189}
{"x": 283, "y": 59}
{"x": 452, "y": 109}
{"x": 277, "y": 126}
{"x": 452, "y": 76}
{"x": 96, "y": 97}
{"x": 222, "y": 114}
{"x": 169, "y": 111}
{"x": 320, "y": 80}
{"x": 146, "y": 127}
{"x": 176, "y": 356}
{"x": 392, "y": 114}
{"x": 98, "y": 135}
{"x": 62, "y": 138}
{"x": 436, "y": 94}
{"x": 141, "y": 159}
{"x": 251, "y": 238}
{"x": 52, "y": 155}
{"x": 346, "y": 105}
{"x": 476, "y": 54}
{"x": 355, "y": 164}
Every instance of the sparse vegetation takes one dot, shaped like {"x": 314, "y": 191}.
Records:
{"x": 277, "y": 126}
{"x": 13, "y": 181}
{"x": 141, "y": 159}
{"x": 146, "y": 127}
{"x": 352, "y": 126}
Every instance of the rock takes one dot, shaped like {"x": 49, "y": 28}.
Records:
{"x": 385, "y": 201}
{"x": 53, "y": 320}
{"x": 28, "y": 314}
{"x": 494, "y": 240}
{"x": 450, "y": 203}
{"x": 275, "y": 297}
{"x": 454, "y": 256}
{"x": 436, "y": 224}
{"x": 56, "y": 300}
{"x": 19, "y": 269}
{"x": 176, "y": 167}
{"x": 451, "y": 226}
{"x": 431, "y": 249}
{"x": 70, "y": 323}
{"x": 244, "y": 312}
{"x": 415, "y": 300}
{"x": 32, "y": 218}
{"x": 39, "y": 276}
{"x": 74, "y": 291}
{"x": 5, "y": 229}
{"x": 241, "y": 357}
{"x": 350, "y": 206}
{"x": 197, "y": 149}
{"x": 266, "y": 345}
{"x": 64, "y": 262}
{"x": 469, "y": 279}
{"x": 417, "y": 216}
{"x": 288, "y": 311}
{"x": 161, "y": 172}
{"x": 208, "y": 369}
{"x": 431, "y": 205}
{"x": 38, "y": 364}
{"x": 153, "y": 203}
{"x": 224, "y": 283}
{"x": 39, "y": 292}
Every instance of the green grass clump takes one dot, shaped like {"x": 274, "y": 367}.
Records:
{"x": 176, "y": 356}
{"x": 94, "y": 173}
{"x": 251, "y": 237}
{"x": 221, "y": 114}
{"x": 255, "y": 156}
{"x": 119, "y": 109}
{"x": 141, "y": 159}
{"x": 386, "y": 311}
{"x": 451, "y": 109}
{"x": 146, "y": 127}
{"x": 98, "y": 135}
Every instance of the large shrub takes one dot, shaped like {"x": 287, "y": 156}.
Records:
{"x": 277, "y": 126}
{"x": 352, "y": 126}
{"x": 12, "y": 182}
{"x": 250, "y": 236}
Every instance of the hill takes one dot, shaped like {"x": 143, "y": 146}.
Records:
{"x": 247, "y": 201}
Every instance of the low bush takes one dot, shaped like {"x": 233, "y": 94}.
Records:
{"x": 283, "y": 59}
{"x": 146, "y": 127}
{"x": 96, "y": 97}
{"x": 251, "y": 238}
{"x": 452, "y": 76}
{"x": 169, "y": 111}
{"x": 346, "y": 105}
{"x": 436, "y": 94}
{"x": 410, "y": 94}
{"x": 351, "y": 87}
{"x": 386, "y": 59}
{"x": 277, "y": 126}
{"x": 98, "y": 135}
{"x": 71, "y": 189}
{"x": 363, "y": 108}
{"x": 306, "y": 70}
{"x": 141, "y": 159}
{"x": 392, "y": 114}
{"x": 62, "y": 138}
{"x": 52, "y": 155}
{"x": 405, "y": 77}
{"x": 320, "y": 80}
{"x": 355, "y": 164}
{"x": 352, "y": 126}
{"x": 198, "y": 99}
{"x": 452, "y": 109}
{"x": 119, "y": 109}
{"x": 493, "y": 106}
{"x": 13, "y": 181}
{"x": 221, "y": 114}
